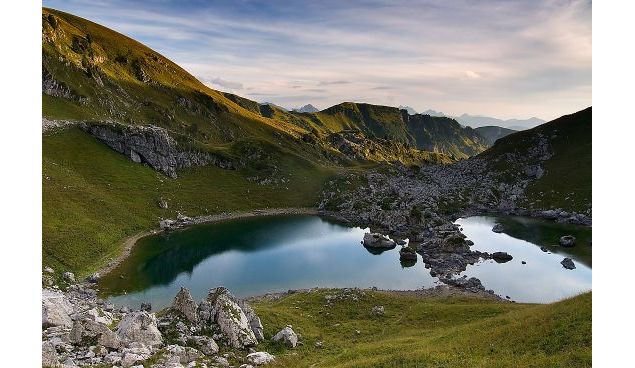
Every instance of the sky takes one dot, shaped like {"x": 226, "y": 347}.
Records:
{"x": 500, "y": 58}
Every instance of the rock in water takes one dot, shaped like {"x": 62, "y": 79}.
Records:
{"x": 407, "y": 254}
{"x": 56, "y": 309}
{"x": 222, "y": 308}
{"x": 498, "y": 228}
{"x": 184, "y": 303}
{"x": 375, "y": 240}
{"x": 139, "y": 327}
{"x": 501, "y": 257}
{"x": 288, "y": 336}
{"x": 568, "y": 264}
{"x": 260, "y": 358}
{"x": 567, "y": 241}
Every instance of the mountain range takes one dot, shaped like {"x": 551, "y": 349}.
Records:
{"x": 477, "y": 121}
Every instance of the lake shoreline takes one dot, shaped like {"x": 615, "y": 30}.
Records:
{"x": 130, "y": 241}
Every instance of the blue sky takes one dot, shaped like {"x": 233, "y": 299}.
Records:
{"x": 507, "y": 59}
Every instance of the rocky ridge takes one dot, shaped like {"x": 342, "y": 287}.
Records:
{"x": 152, "y": 145}
{"x": 80, "y": 329}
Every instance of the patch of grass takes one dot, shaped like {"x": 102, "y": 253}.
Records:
{"x": 431, "y": 332}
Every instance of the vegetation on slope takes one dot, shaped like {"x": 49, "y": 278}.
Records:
{"x": 493, "y": 133}
{"x": 430, "y": 332}
{"x": 566, "y": 182}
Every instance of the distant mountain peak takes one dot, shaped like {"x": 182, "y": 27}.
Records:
{"x": 409, "y": 109}
{"x": 306, "y": 108}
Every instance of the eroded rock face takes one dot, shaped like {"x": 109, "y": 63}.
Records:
{"x": 184, "y": 303}
{"x": 254, "y": 320}
{"x": 56, "y": 309}
{"x": 86, "y": 332}
{"x": 152, "y": 145}
{"x": 140, "y": 327}
{"x": 222, "y": 308}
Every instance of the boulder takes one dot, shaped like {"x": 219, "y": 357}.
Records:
{"x": 186, "y": 354}
{"x": 222, "y": 308}
{"x": 288, "y": 336}
{"x": 376, "y": 240}
{"x": 49, "y": 355}
{"x": 146, "y": 307}
{"x": 501, "y": 257}
{"x": 94, "y": 278}
{"x": 184, "y": 303}
{"x": 254, "y": 320}
{"x": 378, "y": 310}
{"x": 568, "y": 263}
{"x": 408, "y": 254}
{"x": 567, "y": 241}
{"x": 89, "y": 332}
{"x": 56, "y": 309}
{"x": 69, "y": 277}
{"x": 260, "y": 358}
{"x": 205, "y": 344}
{"x": 498, "y": 228}
{"x": 139, "y": 327}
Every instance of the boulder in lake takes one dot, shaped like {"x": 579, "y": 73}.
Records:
{"x": 568, "y": 263}
{"x": 501, "y": 257}
{"x": 139, "y": 327}
{"x": 498, "y": 228}
{"x": 567, "y": 241}
{"x": 288, "y": 336}
{"x": 407, "y": 254}
{"x": 376, "y": 240}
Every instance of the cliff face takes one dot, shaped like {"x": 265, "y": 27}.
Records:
{"x": 154, "y": 146}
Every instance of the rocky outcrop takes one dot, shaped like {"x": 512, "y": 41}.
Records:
{"x": 184, "y": 303}
{"x": 154, "y": 146}
{"x": 221, "y": 308}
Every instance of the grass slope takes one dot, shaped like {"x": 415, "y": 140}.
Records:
{"x": 566, "y": 183}
{"x": 431, "y": 332}
{"x": 94, "y": 197}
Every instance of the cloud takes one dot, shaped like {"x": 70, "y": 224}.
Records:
{"x": 530, "y": 58}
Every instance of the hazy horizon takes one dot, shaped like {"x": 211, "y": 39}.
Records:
{"x": 503, "y": 59}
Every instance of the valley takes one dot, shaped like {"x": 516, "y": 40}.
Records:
{"x": 157, "y": 188}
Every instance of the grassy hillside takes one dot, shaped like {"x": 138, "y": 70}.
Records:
{"x": 566, "y": 182}
{"x": 431, "y": 332}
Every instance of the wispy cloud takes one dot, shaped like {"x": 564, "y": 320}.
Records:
{"x": 498, "y": 57}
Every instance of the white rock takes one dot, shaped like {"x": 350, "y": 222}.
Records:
{"x": 56, "y": 309}
{"x": 288, "y": 336}
{"x": 139, "y": 327}
{"x": 260, "y": 358}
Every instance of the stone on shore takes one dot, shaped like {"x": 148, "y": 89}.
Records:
{"x": 376, "y": 240}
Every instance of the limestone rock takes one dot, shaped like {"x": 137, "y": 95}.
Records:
{"x": 376, "y": 240}
{"x": 139, "y": 327}
{"x": 260, "y": 358}
{"x": 288, "y": 336}
{"x": 184, "y": 303}
{"x": 56, "y": 309}
{"x": 86, "y": 331}
{"x": 222, "y": 308}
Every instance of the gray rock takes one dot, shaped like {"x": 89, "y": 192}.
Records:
{"x": 94, "y": 278}
{"x": 56, "y": 309}
{"x": 186, "y": 354}
{"x": 498, "y": 228}
{"x": 567, "y": 241}
{"x": 408, "y": 254}
{"x": 568, "y": 263}
{"x": 378, "y": 310}
{"x": 260, "y": 358}
{"x": 501, "y": 257}
{"x": 254, "y": 320}
{"x": 222, "y": 308}
{"x": 146, "y": 307}
{"x": 139, "y": 327}
{"x": 205, "y": 344}
{"x": 376, "y": 240}
{"x": 69, "y": 277}
{"x": 184, "y": 303}
{"x": 288, "y": 336}
{"x": 49, "y": 354}
{"x": 86, "y": 331}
